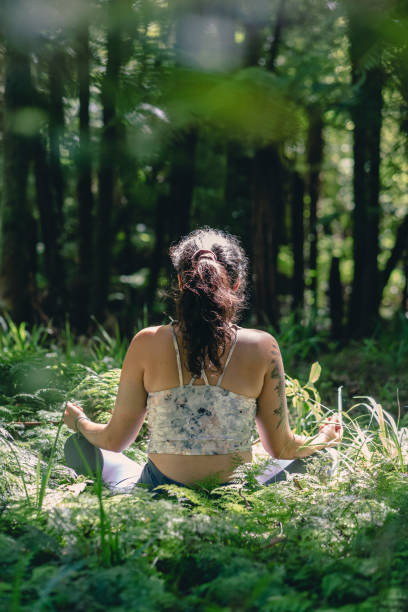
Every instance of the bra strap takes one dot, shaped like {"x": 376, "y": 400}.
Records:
{"x": 219, "y": 381}
{"x": 203, "y": 375}
{"x": 176, "y": 348}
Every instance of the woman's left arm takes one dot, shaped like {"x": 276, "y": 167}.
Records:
{"x": 130, "y": 406}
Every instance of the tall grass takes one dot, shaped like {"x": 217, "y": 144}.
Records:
{"x": 104, "y": 346}
{"x": 17, "y": 341}
{"x": 46, "y": 476}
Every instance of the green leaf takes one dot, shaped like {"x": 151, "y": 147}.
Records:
{"x": 315, "y": 372}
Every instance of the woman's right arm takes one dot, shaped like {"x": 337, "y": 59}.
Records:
{"x": 130, "y": 406}
{"x": 272, "y": 416}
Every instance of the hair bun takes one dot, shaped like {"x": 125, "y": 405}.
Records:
{"x": 204, "y": 253}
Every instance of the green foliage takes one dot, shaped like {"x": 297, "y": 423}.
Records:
{"x": 333, "y": 538}
{"x": 252, "y": 105}
{"x": 305, "y": 399}
{"x": 96, "y": 394}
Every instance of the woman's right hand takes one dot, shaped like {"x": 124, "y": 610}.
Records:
{"x": 72, "y": 412}
{"x": 332, "y": 429}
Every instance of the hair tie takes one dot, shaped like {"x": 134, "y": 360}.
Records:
{"x": 204, "y": 253}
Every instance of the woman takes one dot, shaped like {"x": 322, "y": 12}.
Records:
{"x": 202, "y": 380}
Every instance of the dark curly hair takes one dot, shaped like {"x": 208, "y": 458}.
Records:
{"x": 213, "y": 270}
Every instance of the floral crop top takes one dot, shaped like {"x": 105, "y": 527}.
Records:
{"x": 199, "y": 420}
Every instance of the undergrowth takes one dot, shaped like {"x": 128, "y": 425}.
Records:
{"x": 333, "y": 538}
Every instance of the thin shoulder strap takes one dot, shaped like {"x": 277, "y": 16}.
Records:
{"x": 203, "y": 375}
{"x": 176, "y": 348}
{"x": 219, "y": 381}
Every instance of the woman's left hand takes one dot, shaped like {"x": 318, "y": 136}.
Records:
{"x": 72, "y": 411}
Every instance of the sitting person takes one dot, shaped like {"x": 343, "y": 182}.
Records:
{"x": 202, "y": 381}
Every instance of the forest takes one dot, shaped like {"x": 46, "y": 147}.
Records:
{"x": 125, "y": 124}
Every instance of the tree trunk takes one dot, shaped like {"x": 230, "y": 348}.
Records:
{"x": 56, "y": 129}
{"x": 182, "y": 177}
{"x": 267, "y": 203}
{"x": 54, "y": 304}
{"x": 336, "y": 299}
{"x": 400, "y": 249}
{"x": 49, "y": 188}
{"x": 158, "y": 251}
{"x": 84, "y": 184}
{"x": 297, "y": 201}
{"x": 401, "y": 244}
{"x": 404, "y": 303}
{"x": 314, "y": 152}
{"x": 267, "y": 223}
{"x": 18, "y": 262}
{"x": 107, "y": 164}
{"x": 367, "y": 117}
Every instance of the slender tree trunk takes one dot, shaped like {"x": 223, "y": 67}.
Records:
{"x": 401, "y": 244}
{"x": 173, "y": 211}
{"x": 336, "y": 299}
{"x": 182, "y": 178}
{"x": 404, "y": 303}
{"x": 2, "y": 80}
{"x": 157, "y": 256}
{"x": 267, "y": 202}
{"x": 400, "y": 249}
{"x": 50, "y": 230}
{"x": 401, "y": 240}
{"x": 297, "y": 201}
{"x": 84, "y": 184}
{"x": 18, "y": 262}
{"x": 367, "y": 117}
{"x": 56, "y": 129}
{"x": 314, "y": 154}
{"x": 238, "y": 190}
{"x": 49, "y": 188}
{"x": 268, "y": 206}
{"x": 107, "y": 164}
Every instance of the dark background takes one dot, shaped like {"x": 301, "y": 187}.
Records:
{"x": 124, "y": 125}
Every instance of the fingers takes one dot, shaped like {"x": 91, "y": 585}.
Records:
{"x": 72, "y": 409}
{"x": 72, "y": 406}
{"x": 332, "y": 428}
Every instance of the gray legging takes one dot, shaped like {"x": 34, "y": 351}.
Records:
{"x": 118, "y": 471}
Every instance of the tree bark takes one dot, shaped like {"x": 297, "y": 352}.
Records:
{"x": 56, "y": 129}
{"x": 84, "y": 184}
{"x": 54, "y": 304}
{"x": 297, "y": 201}
{"x": 367, "y": 117}
{"x": 18, "y": 261}
{"x": 267, "y": 204}
{"x": 401, "y": 245}
{"x": 404, "y": 303}
{"x": 182, "y": 177}
{"x": 49, "y": 190}
{"x": 314, "y": 152}
{"x": 336, "y": 299}
{"x": 107, "y": 164}
{"x": 158, "y": 251}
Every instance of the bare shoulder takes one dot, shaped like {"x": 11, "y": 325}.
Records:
{"x": 259, "y": 340}
{"x": 259, "y": 349}
{"x": 149, "y": 337}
